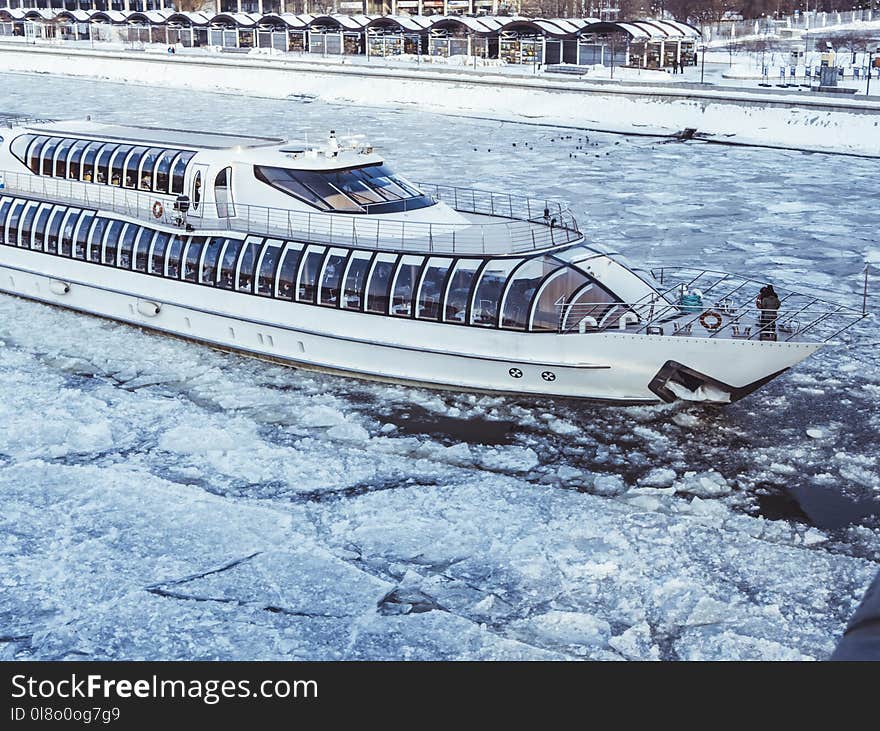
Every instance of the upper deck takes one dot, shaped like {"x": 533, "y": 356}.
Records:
{"x": 496, "y": 223}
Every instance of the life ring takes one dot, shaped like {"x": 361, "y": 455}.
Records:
{"x": 158, "y": 209}
{"x": 711, "y": 320}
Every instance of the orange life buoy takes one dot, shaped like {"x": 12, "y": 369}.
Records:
{"x": 158, "y": 209}
{"x": 715, "y": 318}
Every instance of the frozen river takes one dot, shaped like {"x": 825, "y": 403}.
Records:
{"x": 165, "y": 501}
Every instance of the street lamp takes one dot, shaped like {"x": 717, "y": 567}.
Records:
{"x": 702, "y": 49}
{"x": 870, "y": 66}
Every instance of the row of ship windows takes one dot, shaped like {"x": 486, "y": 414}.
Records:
{"x": 153, "y": 169}
{"x": 459, "y": 290}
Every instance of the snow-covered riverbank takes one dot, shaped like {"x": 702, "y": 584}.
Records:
{"x": 735, "y": 116}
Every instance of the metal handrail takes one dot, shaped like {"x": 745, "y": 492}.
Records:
{"x": 798, "y": 315}
{"x": 525, "y": 225}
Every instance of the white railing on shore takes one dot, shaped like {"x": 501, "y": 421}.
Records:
{"x": 521, "y": 224}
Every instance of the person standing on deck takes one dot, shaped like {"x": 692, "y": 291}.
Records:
{"x": 768, "y": 306}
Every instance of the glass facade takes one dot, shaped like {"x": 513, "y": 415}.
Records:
{"x": 512, "y": 293}
{"x": 156, "y": 170}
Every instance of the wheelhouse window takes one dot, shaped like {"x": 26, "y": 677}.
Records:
{"x": 366, "y": 189}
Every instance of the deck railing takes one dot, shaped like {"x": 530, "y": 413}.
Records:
{"x": 520, "y": 224}
{"x": 727, "y": 304}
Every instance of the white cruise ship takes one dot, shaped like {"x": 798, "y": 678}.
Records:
{"x": 322, "y": 257}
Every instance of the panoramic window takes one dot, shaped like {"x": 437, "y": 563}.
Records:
{"x": 39, "y": 234}
{"x": 131, "y": 166}
{"x": 227, "y": 263}
{"x": 308, "y": 274}
{"x": 247, "y": 263}
{"x": 355, "y": 278}
{"x": 126, "y": 248}
{"x": 521, "y": 290}
{"x": 61, "y": 153}
{"x": 87, "y": 171}
{"x": 19, "y": 146}
{"x": 48, "y": 156}
{"x": 557, "y": 289}
{"x": 68, "y": 228}
{"x": 368, "y": 189}
{"x": 333, "y": 270}
{"x": 404, "y": 287}
{"x": 431, "y": 288}
{"x": 12, "y": 225}
{"x": 192, "y": 257}
{"x": 175, "y": 251}
{"x": 380, "y": 283}
{"x": 178, "y": 173}
{"x": 458, "y": 289}
{"x": 487, "y": 296}
{"x": 287, "y": 271}
{"x": 96, "y": 239}
{"x": 223, "y": 193}
{"x": 145, "y": 170}
{"x": 54, "y": 229}
{"x": 142, "y": 249}
{"x": 157, "y": 258}
{"x": 102, "y": 165}
{"x": 36, "y": 149}
{"x": 5, "y": 205}
{"x": 266, "y": 267}
{"x": 27, "y": 223}
{"x": 111, "y": 241}
{"x": 73, "y": 160}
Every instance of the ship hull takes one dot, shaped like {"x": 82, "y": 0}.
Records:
{"x": 611, "y": 366}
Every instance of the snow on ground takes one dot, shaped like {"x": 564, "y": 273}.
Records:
{"x": 162, "y": 500}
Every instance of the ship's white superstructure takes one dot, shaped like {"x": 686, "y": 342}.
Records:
{"x": 323, "y": 257}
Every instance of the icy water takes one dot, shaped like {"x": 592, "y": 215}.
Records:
{"x": 162, "y": 500}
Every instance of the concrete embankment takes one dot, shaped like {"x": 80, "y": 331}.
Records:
{"x": 796, "y": 121}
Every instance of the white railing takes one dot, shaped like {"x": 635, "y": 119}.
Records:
{"x": 725, "y": 308}
{"x": 514, "y": 224}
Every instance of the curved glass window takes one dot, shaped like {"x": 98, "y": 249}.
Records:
{"x": 266, "y": 267}
{"x": 197, "y": 190}
{"x": 157, "y": 257}
{"x": 334, "y": 267}
{"x": 142, "y": 249}
{"x": 355, "y": 280}
{"x": 379, "y": 286}
{"x": 556, "y": 290}
{"x": 246, "y": 263}
{"x": 96, "y": 239}
{"x": 126, "y": 247}
{"x": 191, "y": 259}
{"x": 163, "y": 171}
{"x": 19, "y": 146}
{"x": 61, "y": 153}
{"x": 36, "y": 149}
{"x": 111, "y": 242}
{"x": 175, "y": 251}
{"x": 68, "y": 228}
{"x": 87, "y": 169}
{"x": 404, "y": 287}
{"x": 27, "y": 225}
{"x": 308, "y": 273}
{"x": 53, "y": 230}
{"x": 227, "y": 264}
{"x": 209, "y": 260}
{"x": 13, "y": 223}
{"x": 102, "y": 164}
{"x": 132, "y": 164}
{"x": 48, "y": 156}
{"x": 368, "y": 189}
{"x": 117, "y": 164}
{"x": 178, "y": 172}
{"x": 458, "y": 289}
{"x": 287, "y": 271}
{"x": 431, "y": 288}
{"x": 73, "y": 159}
{"x": 521, "y": 290}
{"x": 145, "y": 170}
{"x": 38, "y": 238}
{"x": 487, "y": 296}
{"x": 5, "y": 205}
